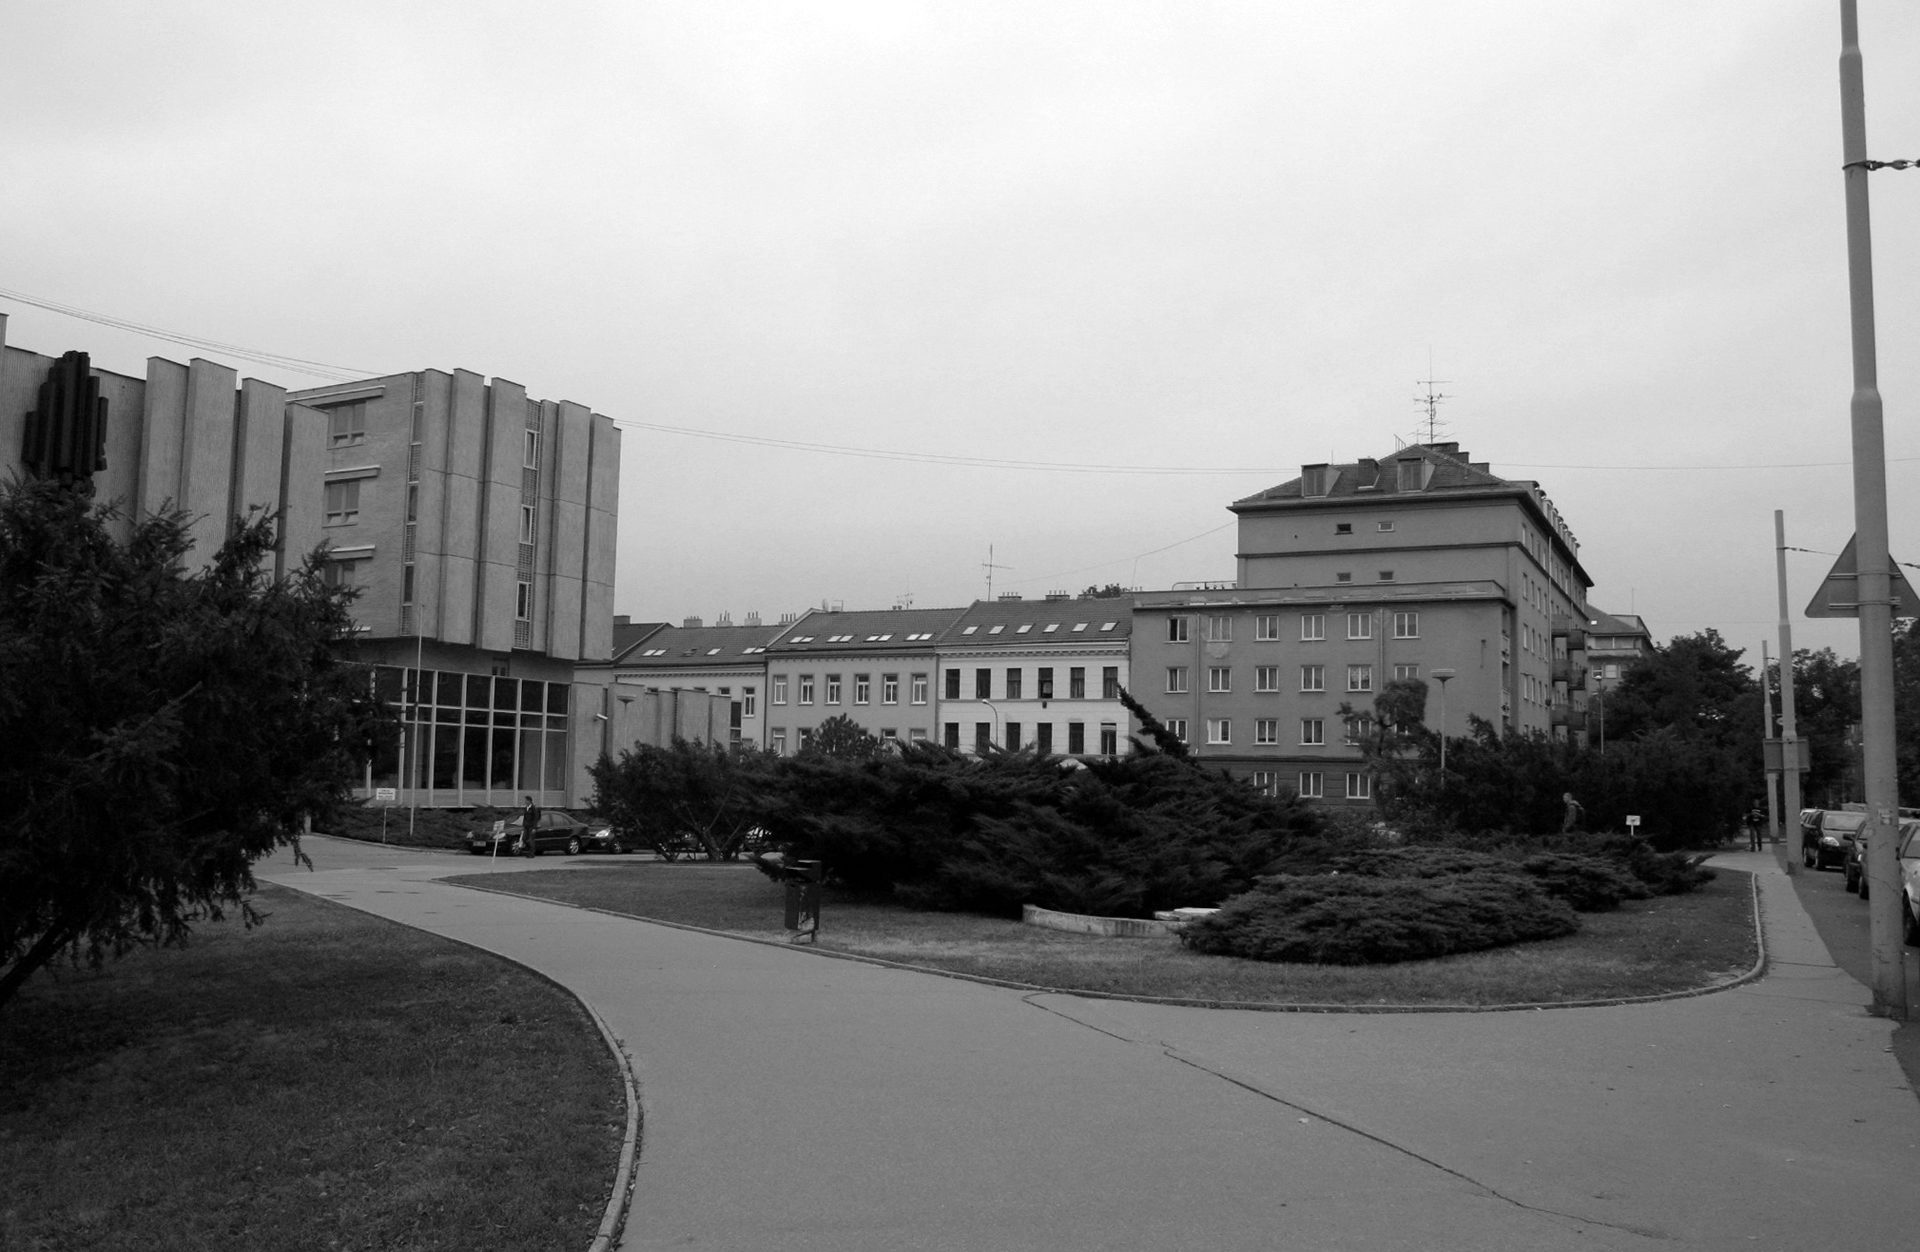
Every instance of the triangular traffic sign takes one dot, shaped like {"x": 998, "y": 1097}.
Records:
{"x": 1839, "y": 595}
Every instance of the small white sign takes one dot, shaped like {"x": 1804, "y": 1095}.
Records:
{"x": 386, "y": 795}
{"x": 1633, "y": 819}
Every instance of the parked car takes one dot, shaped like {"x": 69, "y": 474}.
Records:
{"x": 1857, "y": 854}
{"x": 1824, "y": 845}
{"x": 1909, "y": 850}
{"x": 604, "y": 838}
{"x": 557, "y": 832}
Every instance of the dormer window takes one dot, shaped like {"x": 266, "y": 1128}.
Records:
{"x": 1316, "y": 480}
{"x": 1413, "y": 473}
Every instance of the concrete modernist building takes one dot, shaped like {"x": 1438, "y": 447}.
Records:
{"x": 1042, "y": 674}
{"x": 1351, "y": 576}
{"x": 478, "y": 525}
{"x": 192, "y": 437}
{"x": 876, "y": 667}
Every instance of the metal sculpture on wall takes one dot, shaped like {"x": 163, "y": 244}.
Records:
{"x": 67, "y": 433}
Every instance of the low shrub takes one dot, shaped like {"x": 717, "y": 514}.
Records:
{"x": 1589, "y": 884}
{"x": 1663, "y": 873}
{"x": 1363, "y": 919}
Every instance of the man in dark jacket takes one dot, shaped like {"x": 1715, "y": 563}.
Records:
{"x": 529, "y": 822}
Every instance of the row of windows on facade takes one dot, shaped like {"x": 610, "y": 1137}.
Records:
{"x": 342, "y": 507}
{"x": 473, "y": 734}
{"x": 1013, "y": 686}
{"x": 1266, "y": 730}
{"x": 1266, "y": 678}
{"x": 1218, "y": 628}
{"x": 1312, "y": 784}
{"x": 347, "y": 427}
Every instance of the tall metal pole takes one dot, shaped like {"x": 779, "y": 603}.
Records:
{"x": 1766, "y": 732}
{"x": 1789, "y": 732}
{"x": 1870, "y": 526}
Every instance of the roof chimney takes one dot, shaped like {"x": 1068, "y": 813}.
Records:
{"x": 692, "y": 623}
{"x": 725, "y": 619}
{"x": 621, "y": 619}
{"x": 753, "y": 618}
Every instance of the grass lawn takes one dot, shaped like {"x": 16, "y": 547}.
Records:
{"x": 1672, "y": 943}
{"x": 327, "y": 1081}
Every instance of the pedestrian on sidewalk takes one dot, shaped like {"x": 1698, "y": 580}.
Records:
{"x": 1754, "y": 822}
{"x": 529, "y": 819}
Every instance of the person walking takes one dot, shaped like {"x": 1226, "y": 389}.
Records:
{"x": 1572, "y": 817}
{"x": 529, "y": 822}
{"x": 1754, "y": 823}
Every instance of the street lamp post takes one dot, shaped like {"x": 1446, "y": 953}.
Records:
{"x": 1443, "y": 676}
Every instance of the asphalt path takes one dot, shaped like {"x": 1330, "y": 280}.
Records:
{"x": 802, "y": 1102}
{"x": 1844, "y": 926}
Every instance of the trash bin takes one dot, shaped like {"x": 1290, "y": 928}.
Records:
{"x": 802, "y": 880}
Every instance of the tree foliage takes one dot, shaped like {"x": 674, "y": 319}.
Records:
{"x": 160, "y": 729}
{"x": 842, "y": 739}
{"x": 705, "y": 793}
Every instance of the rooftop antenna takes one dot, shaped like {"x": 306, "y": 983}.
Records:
{"x": 1430, "y": 400}
{"x": 989, "y": 566}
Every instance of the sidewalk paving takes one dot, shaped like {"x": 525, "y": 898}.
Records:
{"x": 811, "y": 1103}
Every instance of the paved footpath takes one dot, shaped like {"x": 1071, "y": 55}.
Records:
{"x": 799, "y": 1102}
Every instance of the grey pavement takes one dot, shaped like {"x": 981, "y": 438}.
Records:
{"x": 802, "y": 1102}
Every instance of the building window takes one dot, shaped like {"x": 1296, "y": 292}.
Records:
{"x": 1359, "y": 786}
{"x": 523, "y": 602}
{"x": 1176, "y": 630}
{"x": 806, "y": 689}
{"x": 1266, "y": 627}
{"x": 1109, "y": 739}
{"x": 1385, "y": 527}
{"x": 952, "y": 735}
{"x": 1077, "y": 682}
{"x": 1264, "y": 781}
{"x": 1266, "y": 730}
{"x": 1312, "y": 784}
{"x": 1220, "y": 629}
{"x": 1386, "y": 575}
{"x": 983, "y": 684}
{"x": 1313, "y": 678}
{"x": 1043, "y": 739}
{"x": 917, "y": 735}
{"x": 1266, "y": 678}
{"x": 406, "y": 583}
{"x": 953, "y": 684}
{"x": 340, "y": 573}
{"x": 531, "y": 459}
{"x": 1177, "y": 727}
{"x": 749, "y": 702}
{"x": 890, "y": 688}
{"x": 780, "y": 689}
{"x": 1044, "y": 677}
{"x": 1359, "y": 678}
{"x": 343, "y": 502}
{"x": 1176, "y": 680}
{"x": 347, "y": 424}
{"x": 833, "y": 688}
{"x": 1406, "y": 625}
{"x": 1313, "y": 731}
{"x": 1403, "y": 672}
{"x": 806, "y": 738}
{"x": 526, "y": 523}
{"x": 1343, "y": 528}
{"x": 863, "y": 689}
{"x": 777, "y": 740}
{"x": 1359, "y": 625}
{"x": 1014, "y": 685}
{"x": 1356, "y": 730}
{"x": 1013, "y": 736}
{"x": 1219, "y": 730}
{"x": 1344, "y": 576}
{"x": 982, "y": 736}
{"x": 1313, "y": 626}
{"x": 1219, "y": 678}
{"x": 1076, "y": 738}
{"x": 413, "y": 502}
{"x": 1110, "y": 682}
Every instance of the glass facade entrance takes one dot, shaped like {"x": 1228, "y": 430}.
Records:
{"x": 470, "y": 739}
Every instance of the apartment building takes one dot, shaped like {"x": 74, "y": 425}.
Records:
{"x": 1419, "y": 565}
{"x": 692, "y": 680}
{"x": 1041, "y": 674}
{"x": 874, "y": 666}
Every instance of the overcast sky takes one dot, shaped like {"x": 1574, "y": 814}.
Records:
{"x": 1167, "y": 252}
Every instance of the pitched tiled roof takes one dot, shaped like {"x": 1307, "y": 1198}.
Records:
{"x": 687, "y": 647}
{"x": 1003, "y": 622}
{"x": 628, "y": 634}
{"x": 1451, "y": 470}
{"x": 1600, "y": 622}
{"x": 826, "y": 630}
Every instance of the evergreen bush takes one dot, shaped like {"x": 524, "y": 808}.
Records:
{"x": 1362, "y": 919}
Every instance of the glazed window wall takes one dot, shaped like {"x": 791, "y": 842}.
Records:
{"x": 474, "y": 738}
